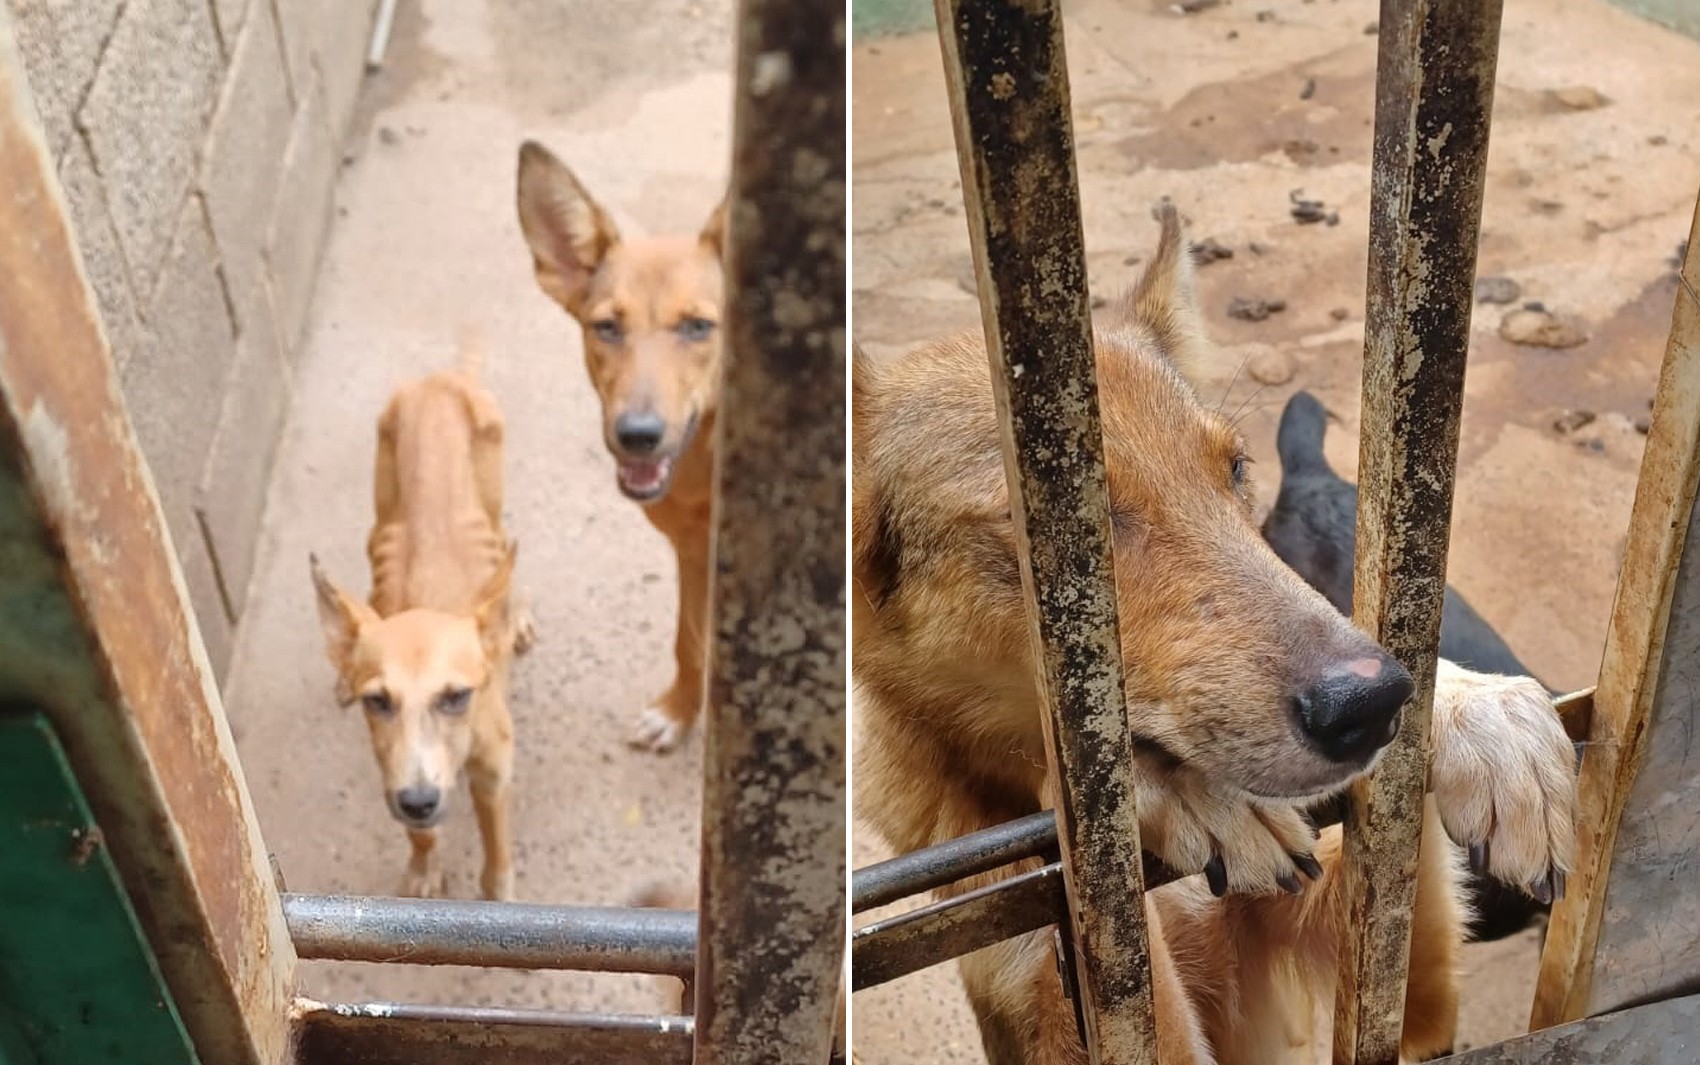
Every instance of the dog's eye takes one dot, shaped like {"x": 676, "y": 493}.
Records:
{"x": 696, "y": 329}
{"x": 454, "y": 700}
{"x": 607, "y": 330}
{"x": 1238, "y": 469}
{"x": 378, "y": 703}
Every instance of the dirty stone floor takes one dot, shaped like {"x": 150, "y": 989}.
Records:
{"x": 1229, "y": 112}
{"x": 425, "y": 239}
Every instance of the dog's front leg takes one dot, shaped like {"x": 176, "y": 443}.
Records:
{"x": 420, "y": 881}
{"x": 489, "y": 784}
{"x": 662, "y": 726}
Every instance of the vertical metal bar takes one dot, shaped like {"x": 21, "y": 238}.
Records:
{"x": 95, "y": 628}
{"x": 1633, "y": 685}
{"x": 1434, "y": 97}
{"x": 771, "y": 946}
{"x": 1008, "y": 82}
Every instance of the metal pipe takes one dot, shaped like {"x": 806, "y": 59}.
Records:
{"x": 504, "y": 935}
{"x": 381, "y": 27}
{"x": 1033, "y": 836}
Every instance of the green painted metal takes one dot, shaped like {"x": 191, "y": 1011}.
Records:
{"x": 887, "y": 18}
{"x": 78, "y": 982}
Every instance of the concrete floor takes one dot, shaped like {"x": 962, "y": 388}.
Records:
{"x": 426, "y": 239}
{"x": 1584, "y": 209}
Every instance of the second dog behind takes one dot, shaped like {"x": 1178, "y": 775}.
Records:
{"x": 427, "y": 658}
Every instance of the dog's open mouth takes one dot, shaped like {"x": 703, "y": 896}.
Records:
{"x": 645, "y": 479}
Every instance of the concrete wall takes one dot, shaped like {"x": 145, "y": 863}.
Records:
{"x": 197, "y": 142}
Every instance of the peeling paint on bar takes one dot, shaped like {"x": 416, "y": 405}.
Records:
{"x": 1434, "y": 91}
{"x": 1014, "y": 139}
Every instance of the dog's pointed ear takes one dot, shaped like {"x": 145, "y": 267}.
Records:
{"x": 714, "y": 230}
{"x": 1164, "y": 304}
{"x": 341, "y": 617}
{"x": 569, "y": 233}
{"x": 493, "y": 616}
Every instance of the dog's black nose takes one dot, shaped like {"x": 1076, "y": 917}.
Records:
{"x": 1353, "y": 711}
{"x": 639, "y": 433}
{"x": 419, "y": 804}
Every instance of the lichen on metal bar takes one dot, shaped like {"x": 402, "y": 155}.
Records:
{"x": 1007, "y": 78}
{"x": 1434, "y": 96}
{"x": 771, "y": 953}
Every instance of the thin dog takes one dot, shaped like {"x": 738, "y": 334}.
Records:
{"x": 649, "y": 308}
{"x": 1250, "y": 698}
{"x": 428, "y": 656}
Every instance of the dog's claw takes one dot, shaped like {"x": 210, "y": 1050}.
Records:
{"x": 1290, "y": 884}
{"x": 1308, "y": 865}
{"x": 1216, "y": 874}
{"x": 1548, "y": 889}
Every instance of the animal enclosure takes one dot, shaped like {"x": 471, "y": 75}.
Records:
{"x": 1009, "y": 99}
{"x": 138, "y": 806}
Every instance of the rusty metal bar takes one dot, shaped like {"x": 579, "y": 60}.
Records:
{"x": 771, "y": 956}
{"x": 392, "y": 1034}
{"x": 926, "y": 936}
{"x": 1434, "y": 97}
{"x": 1007, "y": 78}
{"x": 1643, "y": 689}
{"x": 507, "y": 934}
{"x": 95, "y": 628}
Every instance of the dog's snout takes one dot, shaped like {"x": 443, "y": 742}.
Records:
{"x": 419, "y": 804}
{"x": 639, "y": 432}
{"x": 1353, "y": 710}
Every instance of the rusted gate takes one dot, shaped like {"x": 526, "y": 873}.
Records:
{"x": 1009, "y": 96}
{"x": 100, "y": 655}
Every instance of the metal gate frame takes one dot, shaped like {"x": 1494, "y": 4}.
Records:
{"x": 101, "y": 643}
{"x": 1008, "y": 86}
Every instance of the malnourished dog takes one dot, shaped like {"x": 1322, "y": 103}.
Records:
{"x": 1313, "y": 528}
{"x": 428, "y": 657}
{"x": 1250, "y": 697}
{"x": 650, "y": 310}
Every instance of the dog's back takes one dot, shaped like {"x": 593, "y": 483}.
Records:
{"x": 437, "y": 538}
{"x": 1313, "y": 527}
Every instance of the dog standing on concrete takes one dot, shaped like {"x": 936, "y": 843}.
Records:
{"x": 428, "y": 657}
{"x": 1250, "y": 697}
{"x": 649, "y": 308}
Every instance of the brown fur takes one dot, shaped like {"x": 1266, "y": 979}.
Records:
{"x": 1215, "y": 633}
{"x": 439, "y": 620}
{"x": 649, "y": 309}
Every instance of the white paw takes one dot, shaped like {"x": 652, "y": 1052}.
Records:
{"x": 1504, "y": 778}
{"x": 656, "y": 732}
{"x": 1241, "y": 846}
{"x": 525, "y": 631}
{"x": 497, "y": 885}
{"x": 421, "y": 884}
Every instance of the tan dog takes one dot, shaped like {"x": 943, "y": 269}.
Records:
{"x": 650, "y": 311}
{"x": 428, "y": 658}
{"x": 1249, "y": 698}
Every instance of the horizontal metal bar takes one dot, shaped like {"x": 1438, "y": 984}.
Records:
{"x": 932, "y": 934}
{"x": 500, "y": 934}
{"x": 1033, "y": 836}
{"x": 384, "y": 1033}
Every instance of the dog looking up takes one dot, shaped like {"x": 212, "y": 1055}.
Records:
{"x": 427, "y": 658}
{"x": 649, "y": 308}
{"x": 1313, "y": 528}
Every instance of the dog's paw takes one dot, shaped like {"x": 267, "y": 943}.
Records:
{"x": 656, "y": 732}
{"x": 1239, "y": 845}
{"x": 421, "y": 884}
{"x": 497, "y": 884}
{"x": 1504, "y": 778}
{"x": 525, "y": 631}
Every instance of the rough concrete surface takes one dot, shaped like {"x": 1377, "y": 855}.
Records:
{"x": 424, "y": 239}
{"x": 1231, "y": 110}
